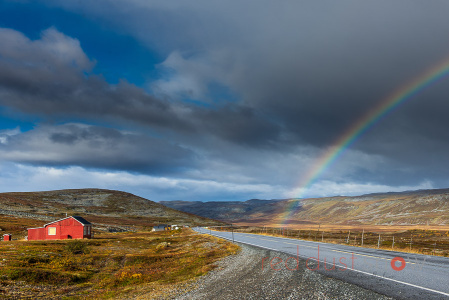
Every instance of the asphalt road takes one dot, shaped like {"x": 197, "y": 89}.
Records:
{"x": 384, "y": 272}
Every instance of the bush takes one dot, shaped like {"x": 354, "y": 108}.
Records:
{"x": 38, "y": 276}
{"x": 161, "y": 246}
{"x": 76, "y": 247}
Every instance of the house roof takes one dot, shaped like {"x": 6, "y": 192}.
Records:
{"x": 82, "y": 220}
{"x": 161, "y": 225}
{"x": 78, "y": 218}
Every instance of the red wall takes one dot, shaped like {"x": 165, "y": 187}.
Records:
{"x": 65, "y": 229}
{"x": 68, "y": 228}
{"x": 36, "y": 234}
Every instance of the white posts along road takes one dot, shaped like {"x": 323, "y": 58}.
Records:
{"x": 395, "y": 274}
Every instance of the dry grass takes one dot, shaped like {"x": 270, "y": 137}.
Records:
{"x": 334, "y": 227}
{"x": 113, "y": 265}
{"x": 421, "y": 241}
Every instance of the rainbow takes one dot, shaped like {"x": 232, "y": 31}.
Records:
{"x": 364, "y": 124}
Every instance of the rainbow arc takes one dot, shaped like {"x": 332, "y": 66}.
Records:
{"x": 362, "y": 125}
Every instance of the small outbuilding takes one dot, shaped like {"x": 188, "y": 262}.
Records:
{"x": 73, "y": 227}
{"x": 161, "y": 227}
{"x": 7, "y": 237}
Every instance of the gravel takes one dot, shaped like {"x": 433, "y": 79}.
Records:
{"x": 241, "y": 276}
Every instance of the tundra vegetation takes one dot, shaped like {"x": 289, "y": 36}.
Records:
{"x": 112, "y": 265}
{"x": 402, "y": 238}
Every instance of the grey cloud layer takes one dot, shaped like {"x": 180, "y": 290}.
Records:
{"x": 317, "y": 67}
{"x": 47, "y": 77}
{"x": 95, "y": 147}
{"x": 35, "y": 80}
{"x": 302, "y": 73}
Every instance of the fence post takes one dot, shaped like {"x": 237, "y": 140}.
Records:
{"x": 232, "y": 232}
{"x": 322, "y": 236}
{"x": 379, "y": 238}
{"x": 393, "y": 242}
{"x": 410, "y": 243}
{"x": 348, "y": 237}
{"x": 362, "y": 238}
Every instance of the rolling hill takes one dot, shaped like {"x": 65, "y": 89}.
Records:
{"x": 404, "y": 208}
{"x": 106, "y": 208}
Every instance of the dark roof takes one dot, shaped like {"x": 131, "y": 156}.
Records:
{"x": 161, "y": 225}
{"x": 81, "y": 220}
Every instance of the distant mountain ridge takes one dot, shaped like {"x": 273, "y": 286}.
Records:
{"x": 396, "y": 208}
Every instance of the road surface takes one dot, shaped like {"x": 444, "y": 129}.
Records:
{"x": 395, "y": 274}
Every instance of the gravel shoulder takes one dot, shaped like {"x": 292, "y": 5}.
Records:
{"x": 241, "y": 276}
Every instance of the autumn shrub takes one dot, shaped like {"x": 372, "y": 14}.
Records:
{"x": 38, "y": 276}
{"x": 76, "y": 247}
{"x": 161, "y": 246}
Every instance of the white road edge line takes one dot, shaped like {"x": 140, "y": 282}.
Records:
{"x": 327, "y": 246}
{"x": 363, "y": 272}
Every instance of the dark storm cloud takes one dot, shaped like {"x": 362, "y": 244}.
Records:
{"x": 96, "y": 147}
{"x": 63, "y": 138}
{"x": 48, "y": 77}
{"x": 239, "y": 124}
{"x": 315, "y": 67}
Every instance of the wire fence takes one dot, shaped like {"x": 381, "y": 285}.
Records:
{"x": 431, "y": 242}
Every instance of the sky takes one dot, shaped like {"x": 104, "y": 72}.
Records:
{"x": 220, "y": 100}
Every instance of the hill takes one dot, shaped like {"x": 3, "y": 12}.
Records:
{"x": 108, "y": 208}
{"x": 404, "y": 208}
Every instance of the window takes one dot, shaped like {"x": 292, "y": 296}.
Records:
{"x": 52, "y": 231}
{"x": 89, "y": 230}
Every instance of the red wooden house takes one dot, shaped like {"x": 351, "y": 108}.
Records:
{"x": 72, "y": 227}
